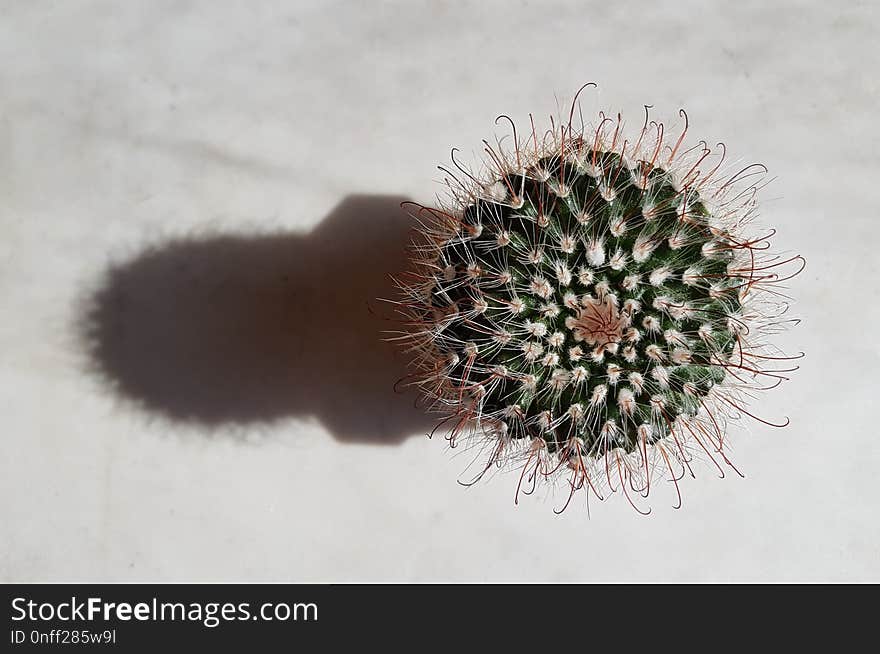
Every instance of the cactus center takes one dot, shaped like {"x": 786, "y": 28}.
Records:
{"x": 598, "y": 323}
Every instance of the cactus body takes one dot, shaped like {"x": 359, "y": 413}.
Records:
{"x": 591, "y": 308}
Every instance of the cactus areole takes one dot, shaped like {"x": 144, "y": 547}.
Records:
{"x": 594, "y": 306}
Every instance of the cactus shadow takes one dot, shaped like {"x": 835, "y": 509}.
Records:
{"x": 238, "y": 329}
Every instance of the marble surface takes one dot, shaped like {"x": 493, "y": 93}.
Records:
{"x": 176, "y": 176}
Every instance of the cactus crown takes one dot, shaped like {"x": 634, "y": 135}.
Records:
{"x": 588, "y": 305}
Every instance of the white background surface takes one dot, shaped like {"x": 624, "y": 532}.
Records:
{"x": 124, "y": 126}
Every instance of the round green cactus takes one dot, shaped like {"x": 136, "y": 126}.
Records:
{"x": 590, "y": 307}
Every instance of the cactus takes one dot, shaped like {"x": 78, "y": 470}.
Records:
{"x": 591, "y": 307}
